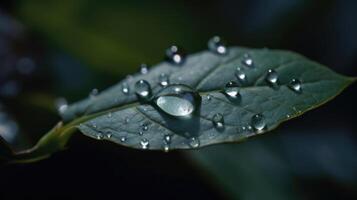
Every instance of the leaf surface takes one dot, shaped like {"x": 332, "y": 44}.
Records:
{"x": 125, "y": 119}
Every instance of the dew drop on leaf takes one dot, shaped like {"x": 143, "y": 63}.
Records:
{"x": 218, "y": 121}
{"x": 143, "y": 89}
{"x": 123, "y": 139}
{"x": 272, "y": 77}
{"x": 241, "y": 76}
{"x": 178, "y": 100}
{"x": 248, "y": 61}
{"x": 145, "y": 127}
{"x": 175, "y": 55}
{"x": 125, "y": 88}
{"x": 94, "y": 93}
{"x": 61, "y": 105}
{"x": 99, "y": 136}
{"x": 258, "y": 122}
{"x": 109, "y": 135}
{"x": 217, "y": 45}
{"x": 144, "y": 69}
{"x": 144, "y": 143}
{"x": 295, "y": 85}
{"x": 232, "y": 89}
{"x": 110, "y": 115}
{"x": 166, "y": 147}
{"x": 167, "y": 139}
{"x": 164, "y": 80}
{"x": 194, "y": 142}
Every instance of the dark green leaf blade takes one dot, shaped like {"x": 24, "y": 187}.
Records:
{"x": 121, "y": 118}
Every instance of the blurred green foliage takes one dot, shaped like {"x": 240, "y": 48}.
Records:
{"x": 114, "y": 36}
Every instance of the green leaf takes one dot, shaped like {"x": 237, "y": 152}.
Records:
{"x": 126, "y": 120}
{"x": 123, "y": 118}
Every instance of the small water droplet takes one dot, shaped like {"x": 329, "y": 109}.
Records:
{"x": 209, "y": 97}
{"x": 175, "y": 55}
{"x": 217, "y": 45}
{"x": 194, "y": 142}
{"x": 109, "y": 135}
{"x": 166, "y": 147}
{"x": 145, "y": 127}
{"x": 248, "y": 61}
{"x": 295, "y": 85}
{"x": 94, "y": 93}
{"x": 232, "y": 89}
{"x": 272, "y": 77}
{"x": 144, "y": 143}
{"x": 143, "y": 89}
{"x": 178, "y": 100}
{"x": 123, "y": 139}
{"x": 258, "y": 122}
{"x": 61, "y": 105}
{"x": 125, "y": 88}
{"x": 218, "y": 121}
{"x": 241, "y": 76}
{"x": 99, "y": 136}
{"x": 164, "y": 80}
{"x": 94, "y": 125}
{"x": 144, "y": 69}
{"x": 167, "y": 139}
{"x": 109, "y": 115}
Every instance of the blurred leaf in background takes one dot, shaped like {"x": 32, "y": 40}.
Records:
{"x": 114, "y": 36}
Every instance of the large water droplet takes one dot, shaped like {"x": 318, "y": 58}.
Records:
{"x": 241, "y": 76}
{"x": 143, "y": 89}
{"x": 194, "y": 142}
{"x": 125, "y": 88}
{"x": 248, "y": 61}
{"x": 178, "y": 100}
{"x": 232, "y": 89}
{"x": 164, "y": 80}
{"x": 144, "y": 69}
{"x": 175, "y": 55}
{"x": 217, "y": 45}
{"x": 272, "y": 77}
{"x": 295, "y": 85}
{"x": 258, "y": 122}
{"x": 144, "y": 143}
{"x": 218, "y": 121}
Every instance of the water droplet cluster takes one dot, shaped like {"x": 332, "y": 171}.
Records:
{"x": 181, "y": 101}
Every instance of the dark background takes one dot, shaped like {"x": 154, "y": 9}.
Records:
{"x": 51, "y": 49}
